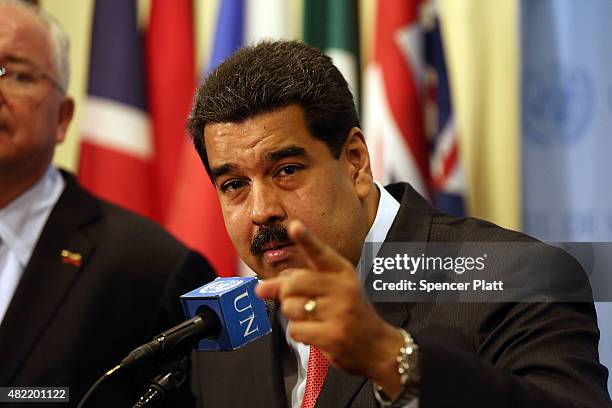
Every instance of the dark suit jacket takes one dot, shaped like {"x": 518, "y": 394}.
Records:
{"x": 472, "y": 354}
{"x": 67, "y": 325}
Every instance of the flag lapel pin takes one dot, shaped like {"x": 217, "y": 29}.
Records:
{"x": 71, "y": 258}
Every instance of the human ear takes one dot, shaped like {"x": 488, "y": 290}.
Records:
{"x": 355, "y": 152}
{"x": 66, "y": 112}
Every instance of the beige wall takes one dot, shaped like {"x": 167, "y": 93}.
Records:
{"x": 75, "y": 17}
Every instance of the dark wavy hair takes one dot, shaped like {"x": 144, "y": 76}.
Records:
{"x": 269, "y": 76}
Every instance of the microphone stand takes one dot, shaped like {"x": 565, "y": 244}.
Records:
{"x": 163, "y": 385}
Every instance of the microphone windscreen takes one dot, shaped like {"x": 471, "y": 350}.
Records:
{"x": 242, "y": 314}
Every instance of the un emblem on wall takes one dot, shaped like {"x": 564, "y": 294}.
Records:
{"x": 558, "y": 104}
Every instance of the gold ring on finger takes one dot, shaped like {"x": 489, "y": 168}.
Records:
{"x": 310, "y": 308}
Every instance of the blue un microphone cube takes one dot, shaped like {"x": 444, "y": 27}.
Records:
{"x": 242, "y": 314}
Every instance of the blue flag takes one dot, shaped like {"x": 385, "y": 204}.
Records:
{"x": 566, "y": 122}
{"x": 229, "y": 34}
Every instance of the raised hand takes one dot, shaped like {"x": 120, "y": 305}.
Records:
{"x": 326, "y": 308}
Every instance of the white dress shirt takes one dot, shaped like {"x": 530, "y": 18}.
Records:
{"x": 388, "y": 208}
{"x": 21, "y": 223}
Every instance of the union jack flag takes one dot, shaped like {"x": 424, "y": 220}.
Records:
{"x": 408, "y": 111}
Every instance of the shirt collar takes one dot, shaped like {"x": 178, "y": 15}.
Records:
{"x": 388, "y": 208}
{"x": 22, "y": 221}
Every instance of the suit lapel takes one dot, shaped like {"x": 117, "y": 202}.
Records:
{"x": 339, "y": 389}
{"x": 266, "y": 368}
{"x": 47, "y": 277}
{"x": 414, "y": 218}
{"x": 250, "y": 375}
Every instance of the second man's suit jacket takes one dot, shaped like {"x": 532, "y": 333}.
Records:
{"x": 68, "y": 323}
{"x": 472, "y": 354}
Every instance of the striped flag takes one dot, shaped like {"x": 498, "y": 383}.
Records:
{"x": 393, "y": 108}
{"x": 447, "y": 181}
{"x": 332, "y": 26}
{"x": 117, "y": 148}
{"x": 408, "y": 115}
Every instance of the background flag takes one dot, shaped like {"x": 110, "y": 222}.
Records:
{"x": 393, "y": 117}
{"x": 267, "y": 19}
{"x": 332, "y": 26}
{"x": 195, "y": 213}
{"x": 171, "y": 84}
{"x": 150, "y": 166}
{"x": 447, "y": 181}
{"x": 408, "y": 115}
{"x": 117, "y": 148}
{"x": 566, "y": 121}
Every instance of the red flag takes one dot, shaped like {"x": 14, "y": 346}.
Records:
{"x": 171, "y": 83}
{"x": 185, "y": 194}
{"x": 195, "y": 215}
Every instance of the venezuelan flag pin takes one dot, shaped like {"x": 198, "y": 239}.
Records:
{"x": 71, "y": 258}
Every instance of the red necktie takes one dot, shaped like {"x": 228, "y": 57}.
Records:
{"x": 317, "y": 370}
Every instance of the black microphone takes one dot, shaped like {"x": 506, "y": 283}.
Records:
{"x": 171, "y": 343}
{"x": 178, "y": 339}
{"x": 225, "y": 314}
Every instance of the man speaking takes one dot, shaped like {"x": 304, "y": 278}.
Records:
{"x": 276, "y": 128}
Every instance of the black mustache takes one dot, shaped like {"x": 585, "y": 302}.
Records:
{"x": 266, "y": 234}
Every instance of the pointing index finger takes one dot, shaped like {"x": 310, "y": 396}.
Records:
{"x": 321, "y": 256}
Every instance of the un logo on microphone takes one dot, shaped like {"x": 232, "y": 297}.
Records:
{"x": 557, "y": 104}
{"x": 220, "y": 285}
